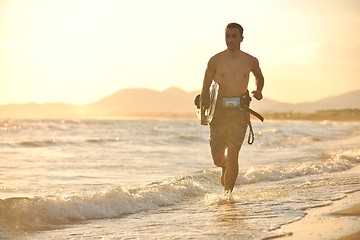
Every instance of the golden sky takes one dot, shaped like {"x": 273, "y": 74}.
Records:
{"x": 79, "y": 51}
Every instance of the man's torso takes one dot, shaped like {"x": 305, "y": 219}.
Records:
{"x": 232, "y": 73}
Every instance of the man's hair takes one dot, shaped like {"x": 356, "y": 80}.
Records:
{"x": 237, "y": 26}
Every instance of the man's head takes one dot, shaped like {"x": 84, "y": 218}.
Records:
{"x": 236, "y": 26}
{"x": 233, "y": 36}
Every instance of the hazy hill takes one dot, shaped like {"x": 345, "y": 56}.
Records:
{"x": 129, "y": 101}
{"x": 168, "y": 103}
{"x": 349, "y": 100}
{"x": 178, "y": 101}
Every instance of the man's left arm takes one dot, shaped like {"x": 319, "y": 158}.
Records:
{"x": 259, "y": 78}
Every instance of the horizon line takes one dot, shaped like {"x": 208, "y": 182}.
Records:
{"x": 160, "y": 91}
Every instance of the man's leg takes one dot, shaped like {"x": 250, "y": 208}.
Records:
{"x": 220, "y": 161}
{"x": 232, "y": 168}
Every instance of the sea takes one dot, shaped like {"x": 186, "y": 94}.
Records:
{"x": 155, "y": 179}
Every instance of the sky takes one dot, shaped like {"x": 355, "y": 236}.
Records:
{"x": 80, "y": 51}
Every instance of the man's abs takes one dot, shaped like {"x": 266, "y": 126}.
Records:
{"x": 232, "y": 87}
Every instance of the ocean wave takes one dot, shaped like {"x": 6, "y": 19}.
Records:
{"x": 335, "y": 162}
{"x": 103, "y": 140}
{"x": 55, "y": 142}
{"x": 289, "y": 141}
{"x": 22, "y": 214}
{"x": 44, "y": 143}
{"x": 43, "y": 213}
{"x": 190, "y": 138}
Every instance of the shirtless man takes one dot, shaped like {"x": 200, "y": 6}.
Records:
{"x": 231, "y": 70}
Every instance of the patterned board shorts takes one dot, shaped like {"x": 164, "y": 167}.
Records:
{"x": 228, "y": 127}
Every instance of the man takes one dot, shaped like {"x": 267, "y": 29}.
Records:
{"x": 231, "y": 70}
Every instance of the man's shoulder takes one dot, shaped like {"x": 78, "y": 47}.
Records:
{"x": 251, "y": 59}
{"x": 218, "y": 55}
{"x": 247, "y": 55}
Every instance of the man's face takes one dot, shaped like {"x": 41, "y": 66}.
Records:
{"x": 233, "y": 38}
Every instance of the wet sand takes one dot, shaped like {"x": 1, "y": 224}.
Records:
{"x": 355, "y": 236}
{"x": 340, "y": 220}
{"x": 352, "y": 211}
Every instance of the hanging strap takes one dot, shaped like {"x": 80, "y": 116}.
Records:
{"x": 251, "y": 137}
{"x": 246, "y": 107}
{"x": 261, "y": 118}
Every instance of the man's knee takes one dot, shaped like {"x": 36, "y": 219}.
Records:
{"x": 233, "y": 155}
{"x": 218, "y": 158}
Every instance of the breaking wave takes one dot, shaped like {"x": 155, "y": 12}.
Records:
{"x": 23, "y": 214}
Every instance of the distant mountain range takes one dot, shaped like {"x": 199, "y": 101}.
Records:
{"x": 350, "y": 100}
{"x": 172, "y": 102}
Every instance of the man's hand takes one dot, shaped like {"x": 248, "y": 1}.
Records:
{"x": 205, "y": 102}
{"x": 257, "y": 94}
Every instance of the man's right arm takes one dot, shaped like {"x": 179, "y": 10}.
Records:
{"x": 208, "y": 78}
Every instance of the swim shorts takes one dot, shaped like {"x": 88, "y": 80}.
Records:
{"x": 228, "y": 127}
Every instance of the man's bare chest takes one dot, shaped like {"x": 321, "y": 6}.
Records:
{"x": 233, "y": 69}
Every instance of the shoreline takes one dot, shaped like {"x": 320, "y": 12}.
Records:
{"x": 341, "y": 220}
{"x": 338, "y": 221}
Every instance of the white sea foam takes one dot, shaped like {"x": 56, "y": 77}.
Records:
{"x": 337, "y": 161}
{"x": 32, "y": 214}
